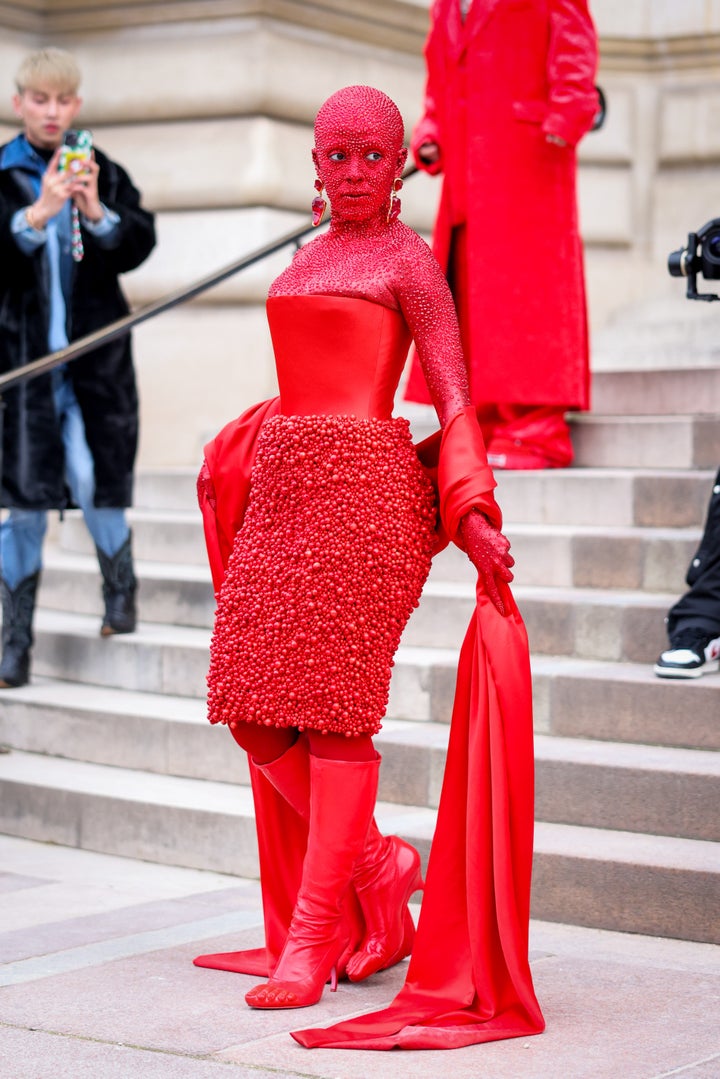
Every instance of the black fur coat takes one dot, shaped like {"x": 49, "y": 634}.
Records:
{"x": 103, "y": 380}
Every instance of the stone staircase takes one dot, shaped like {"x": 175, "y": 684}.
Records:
{"x": 111, "y": 750}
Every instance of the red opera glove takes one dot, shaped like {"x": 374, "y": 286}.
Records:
{"x": 489, "y": 551}
{"x": 469, "y": 513}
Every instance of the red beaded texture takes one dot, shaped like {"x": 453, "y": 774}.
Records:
{"x": 325, "y": 572}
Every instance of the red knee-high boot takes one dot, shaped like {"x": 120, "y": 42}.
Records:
{"x": 385, "y": 876}
{"x": 342, "y": 799}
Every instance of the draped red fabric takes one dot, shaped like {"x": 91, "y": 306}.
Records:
{"x": 224, "y": 482}
{"x": 282, "y": 839}
{"x": 469, "y": 979}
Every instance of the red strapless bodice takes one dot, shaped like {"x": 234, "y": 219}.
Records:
{"x": 337, "y": 355}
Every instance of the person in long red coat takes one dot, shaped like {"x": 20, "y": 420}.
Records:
{"x": 510, "y": 92}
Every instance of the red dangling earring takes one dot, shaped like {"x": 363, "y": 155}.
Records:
{"x": 319, "y": 205}
{"x": 395, "y": 203}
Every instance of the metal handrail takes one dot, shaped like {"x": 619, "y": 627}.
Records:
{"x": 123, "y": 325}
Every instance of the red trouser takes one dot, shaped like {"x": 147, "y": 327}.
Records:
{"x": 517, "y": 436}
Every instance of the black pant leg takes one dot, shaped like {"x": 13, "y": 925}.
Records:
{"x": 700, "y": 607}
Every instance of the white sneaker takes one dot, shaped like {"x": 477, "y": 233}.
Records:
{"x": 691, "y": 654}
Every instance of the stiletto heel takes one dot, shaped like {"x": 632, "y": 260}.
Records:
{"x": 385, "y": 876}
{"x": 302, "y": 971}
{"x": 342, "y": 798}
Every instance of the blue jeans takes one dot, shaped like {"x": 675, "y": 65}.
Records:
{"x": 23, "y": 531}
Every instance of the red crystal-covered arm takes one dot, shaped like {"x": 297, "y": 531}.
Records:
{"x": 427, "y": 304}
{"x": 468, "y": 510}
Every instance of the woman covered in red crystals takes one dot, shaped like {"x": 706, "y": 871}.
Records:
{"x": 321, "y": 520}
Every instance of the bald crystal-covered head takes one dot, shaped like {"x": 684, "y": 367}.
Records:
{"x": 359, "y": 151}
{"x": 355, "y": 108}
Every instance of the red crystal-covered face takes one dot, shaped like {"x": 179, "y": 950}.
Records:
{"x": 358, "y": 152}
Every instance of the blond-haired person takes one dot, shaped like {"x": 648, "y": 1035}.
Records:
{"x": 70, "y": 434}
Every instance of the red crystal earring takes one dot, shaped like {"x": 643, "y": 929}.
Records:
{"x": 395, "y": 203}
{"x": 319, "y": 205}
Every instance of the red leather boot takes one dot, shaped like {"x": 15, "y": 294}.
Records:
{"x": 342, "y": 799}
{"x": 385, "y": 876}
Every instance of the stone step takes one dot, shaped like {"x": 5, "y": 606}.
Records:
{"x": 595, "y": 624}
{"x": 657, "y": 393}
{"x": 664, "y": 333}
{"x": 152, "y": 732}
{"x": 591, "y": 622}
{"x": 615, "y": 880}
{"x": 631, "y": 788}
{"x": 618, "y": 497}
{"x": 175, "y": 594}
{"x": 655, "y": 885}
{"x": 167, "y": 488}
{"x": 171, "y": 736}
{"x": 572, "y": 696}
{"x": 600, "y": 784}
{"x": 651, "y": 559}
{"x": 621, "y": 702}
{"x": 165, "y": 536}
{"x": 158, "y": 818}
{"x": 157, "y": 658}
{"x": 645, "y": 441}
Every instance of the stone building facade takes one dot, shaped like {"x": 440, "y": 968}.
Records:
{"x": 209, "y": 104}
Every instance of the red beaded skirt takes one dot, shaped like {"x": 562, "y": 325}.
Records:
{"x": 325, "y": 571}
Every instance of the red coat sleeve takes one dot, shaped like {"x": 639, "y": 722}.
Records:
{"x": 427, "y": 128}
{"x": 571, "y": 69}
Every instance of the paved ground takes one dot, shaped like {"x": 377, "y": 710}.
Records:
{"x": 97, "y": 982}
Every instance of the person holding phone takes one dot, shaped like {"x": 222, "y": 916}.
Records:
{"x": 70, "y": 222}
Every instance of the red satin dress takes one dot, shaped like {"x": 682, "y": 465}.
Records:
{"x": 469, "y": 979}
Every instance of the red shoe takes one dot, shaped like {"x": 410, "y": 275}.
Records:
{"x": 384, "y": 883}
{"x": 342, "y": 799}
{"x": 385, "y": 876}
{"x": 308, "y": 960}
